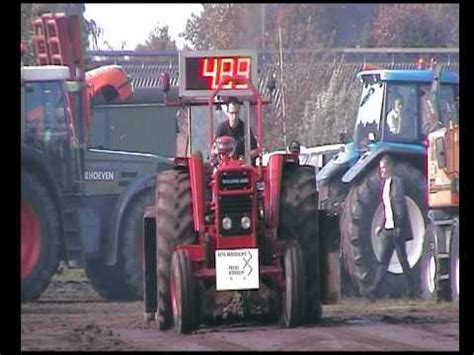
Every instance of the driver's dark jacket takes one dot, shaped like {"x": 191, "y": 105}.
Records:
{"x": 238, "y": 134}
{"x": 399, "y": 208}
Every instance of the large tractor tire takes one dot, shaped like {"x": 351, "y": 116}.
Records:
{"x": 294, "y": 292}
{"x": 299, "y": 221}
{"x": 174, "y": 225}
{"x": 40, "y": 232}
{"x": 183, "y": 293}
{"x": 364, "y": 212}
{"x": 454, "y": 264}
{"x": 124, "y": 280}
{"x": 432, "y": 287}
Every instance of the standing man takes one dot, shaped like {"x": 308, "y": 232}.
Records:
{"x": 395, "y": 229}
{"x": 234, "y": 127}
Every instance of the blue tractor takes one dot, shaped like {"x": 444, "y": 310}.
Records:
{"x": 392, "y": 119}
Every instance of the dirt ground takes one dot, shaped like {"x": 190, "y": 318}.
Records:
{"x": 70, "y": 316}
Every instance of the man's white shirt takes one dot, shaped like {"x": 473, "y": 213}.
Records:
{"x": 389, "y": 223}
{"x": 393, "y": 121}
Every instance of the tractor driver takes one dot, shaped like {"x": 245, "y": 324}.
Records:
{"x": 234, "y": 127}
{"x": 394, "y": 117}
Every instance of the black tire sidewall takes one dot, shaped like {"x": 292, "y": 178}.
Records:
{"x": 294, "y": 294}
{"x": 356, "y": 233}
{"x": 429, "y": 252}
{"x": 123, "y": 281}
{"x": 299, "y": 220}
{"x": 454, "y": 258}
{"x": 130, "y": 243}
{"x": 173, "y": 226}
{"x": 181, "y": 271}
{"x": 34, "y": 193}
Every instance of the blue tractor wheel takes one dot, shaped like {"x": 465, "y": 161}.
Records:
{"x": 363, "y": 211}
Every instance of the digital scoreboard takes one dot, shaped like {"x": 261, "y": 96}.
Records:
{"x": 200, "y": 72}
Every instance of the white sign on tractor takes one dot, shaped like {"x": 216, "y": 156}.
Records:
{"x": 237, "y": 269}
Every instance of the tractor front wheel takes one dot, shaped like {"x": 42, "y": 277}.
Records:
{"x": 174, "y": 225}
{"x": 294, "y": 291}
{"x": 183, "y": 293}
{"x": 432, "y": 287}
{"x": 454, "y": 264}
{"x": 299, "y": 221}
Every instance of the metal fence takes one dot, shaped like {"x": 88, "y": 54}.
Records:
{"x": 145, "y": 68}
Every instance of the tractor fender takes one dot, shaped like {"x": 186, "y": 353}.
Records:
{"x": 33, "y": 160}
{"x": 375, "y": 152}
{"x": 123, "y": 202}
{"x": 341, "y": 161}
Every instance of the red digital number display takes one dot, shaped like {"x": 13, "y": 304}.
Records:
{"x": 217, "y": 69}
{"x": 205, "y": 73}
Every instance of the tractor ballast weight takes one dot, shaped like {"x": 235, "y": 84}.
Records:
{"x": 208, "y": 219}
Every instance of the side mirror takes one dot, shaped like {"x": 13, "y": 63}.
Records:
{"x": 440, "y": 152}
{"x": 164, "y": 82}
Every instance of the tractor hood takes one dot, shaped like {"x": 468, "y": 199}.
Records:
{"x": 346, "y": 157}
{"x": 375, "y": 151}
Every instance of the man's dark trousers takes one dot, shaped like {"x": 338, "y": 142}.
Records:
{"x": 390, "y": 241}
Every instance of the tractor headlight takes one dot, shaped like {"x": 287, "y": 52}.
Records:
{"x": 226, "y": 223}
{"x": 245, "y": 222}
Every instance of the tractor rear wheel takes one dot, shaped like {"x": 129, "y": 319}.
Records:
{"x": 299, "y": 221}
{"x": 454, "y": 264}
{"x": 294, "y": 292}
{"x": 40, "y": 232}
{"x": 431, "y": 287}
{"x": 124, "y": 280}
{"x": 364, "y": 212}
{"x": 174, "y": 225}
{"x": 183, "y": 293}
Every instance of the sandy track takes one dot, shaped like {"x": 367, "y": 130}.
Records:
{"x": 70, "y": 316}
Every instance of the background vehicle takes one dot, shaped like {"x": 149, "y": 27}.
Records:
{"x": 440, "y": 263}
{"x": 79, "y": 203}
{"x": 349, "y": 184}
{"x": 233, "y": 226}
{"x": 316, "y": 156}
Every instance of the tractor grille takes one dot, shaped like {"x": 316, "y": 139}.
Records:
{"x": 234, "y": 180}
{"x": 235, "y": 207}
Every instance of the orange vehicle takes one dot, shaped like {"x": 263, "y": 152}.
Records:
{"x": 440, "y": 263}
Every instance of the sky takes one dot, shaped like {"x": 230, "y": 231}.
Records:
{"x": 132, "y": 23}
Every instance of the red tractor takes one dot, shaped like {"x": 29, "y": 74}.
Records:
{"x": 233, "y": 226}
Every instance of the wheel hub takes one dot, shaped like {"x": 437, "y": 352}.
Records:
{"x": 414, "y": 247}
